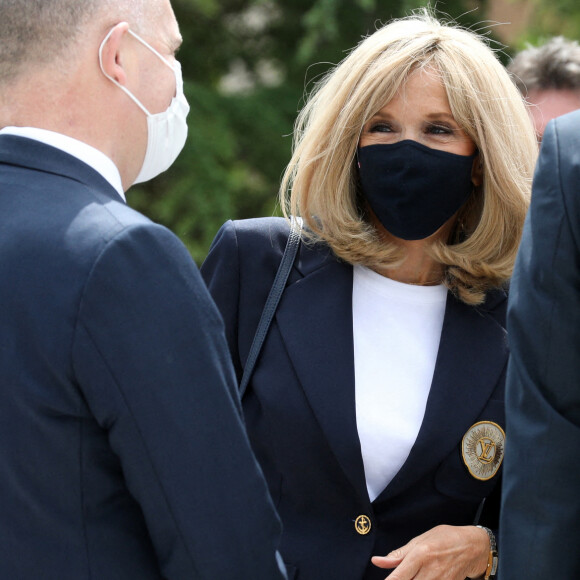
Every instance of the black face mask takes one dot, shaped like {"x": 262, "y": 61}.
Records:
{"x": 412, "y": 189}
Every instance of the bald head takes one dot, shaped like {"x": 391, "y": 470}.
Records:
{"x": 37, "y": 33}
{"x": 63, "y": 64}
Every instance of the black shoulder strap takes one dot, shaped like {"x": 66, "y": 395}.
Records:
{"x": 272, "y": 301}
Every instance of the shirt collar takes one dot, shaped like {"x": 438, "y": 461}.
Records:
{"x": 86, "y": 153}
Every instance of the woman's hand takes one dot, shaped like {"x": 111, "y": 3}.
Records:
{"x": 444, "y": 552}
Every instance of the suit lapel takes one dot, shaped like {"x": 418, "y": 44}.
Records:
{"x": 472, "y": 354}
{"x": 315, "y": 320}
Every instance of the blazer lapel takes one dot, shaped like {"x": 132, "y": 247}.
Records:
{"x": 315, "y": 320}
{"x": 472, "y": 355}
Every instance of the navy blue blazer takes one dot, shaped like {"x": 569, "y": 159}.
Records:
{"x": 122, "y": 450}
{"x": 300, "y": 406}
{"x": 541, "y": 505}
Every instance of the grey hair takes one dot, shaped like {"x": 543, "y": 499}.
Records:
{"x": 38, "y": 32}
{"x": 554, "y": 65}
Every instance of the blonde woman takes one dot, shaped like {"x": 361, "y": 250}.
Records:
{"x": 376, "y": 406}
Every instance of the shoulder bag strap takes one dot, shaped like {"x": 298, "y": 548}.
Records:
{"x": 272, "y": 301}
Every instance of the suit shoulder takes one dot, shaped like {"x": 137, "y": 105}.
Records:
{"x": 561, "y": 145}
{"x": 112, "y": 227}
{"x": 117, "y": 211}
{"x": 271, "y": 230}
{"x": 567, "y": 126}
{"x": 253, "y": 240}
{"x": 252, "y": 247}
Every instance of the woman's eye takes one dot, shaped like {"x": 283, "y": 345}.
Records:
{"x": 380, "y": 128}
{"x": 439, "y": 130}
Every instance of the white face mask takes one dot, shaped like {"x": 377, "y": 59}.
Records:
{"x": 166, "y": 131}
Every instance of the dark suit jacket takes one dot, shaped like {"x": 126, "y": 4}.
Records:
{"x": 122, "y": 451}
{"x": 541, "y": 509}
{"x": 300, "y": 405}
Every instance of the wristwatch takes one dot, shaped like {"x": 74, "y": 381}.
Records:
{"x": 492, "y": 559}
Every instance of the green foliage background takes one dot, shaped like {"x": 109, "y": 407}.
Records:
{"x": 239, "y": 142}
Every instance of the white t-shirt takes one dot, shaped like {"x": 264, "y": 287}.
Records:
{"x": 397, "y": 328}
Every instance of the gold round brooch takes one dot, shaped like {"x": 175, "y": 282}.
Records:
{"x": 482, "y": 449}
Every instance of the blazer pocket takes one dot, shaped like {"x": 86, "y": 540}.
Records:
{"x": 454, "y": 479}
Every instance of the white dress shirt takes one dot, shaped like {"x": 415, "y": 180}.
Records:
{"x": 85, "y": 153}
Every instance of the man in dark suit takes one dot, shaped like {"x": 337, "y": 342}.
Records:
{"x": 540, "y": 521}
{"x": 122, "y": 450}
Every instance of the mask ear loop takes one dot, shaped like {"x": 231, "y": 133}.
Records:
{"x": 145, "y": 43}
{"x": 123, "y": 88}
{"x": 175, "y": 67}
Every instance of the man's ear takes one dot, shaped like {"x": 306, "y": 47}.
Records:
{"x": 477, "y": 171}
{"x": 110, "y": 53}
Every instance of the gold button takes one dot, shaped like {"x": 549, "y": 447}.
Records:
{"x": 362, "y": 525}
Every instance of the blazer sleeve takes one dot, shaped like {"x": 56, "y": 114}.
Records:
{"x": 221, "y": 273}
{"x": 150, "y": 356}
{"x": 540, "y": 521}
{"x": 239, "y": 271}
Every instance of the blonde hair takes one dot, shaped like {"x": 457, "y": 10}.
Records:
{"x": 321, "y": 184}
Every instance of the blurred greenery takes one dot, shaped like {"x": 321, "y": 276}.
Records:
{"x": 247, "y": 65}
{"x": 551, "y": 18}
